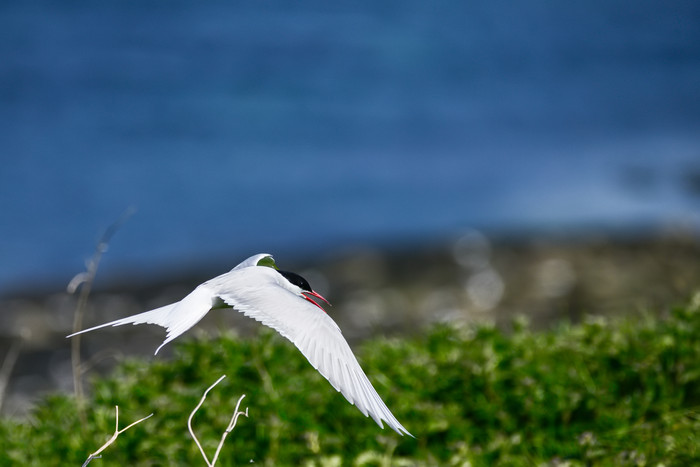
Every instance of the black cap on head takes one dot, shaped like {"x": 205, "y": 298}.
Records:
{"x": 297, "y": 280}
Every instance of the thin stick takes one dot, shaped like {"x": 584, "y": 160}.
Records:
{"x": 86, "y": 279}
{"x": 230, "y": 427}
{"x": 117, "y": 432}
{"x": 8, "y": 364}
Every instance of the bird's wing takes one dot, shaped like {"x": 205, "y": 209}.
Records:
{"x": 157, "y": 316}
{"x": 252, "y": 261}
{"x": 256, "y": 293}
{"x": 188, "y": 312}
{"x": 176, "y": 318}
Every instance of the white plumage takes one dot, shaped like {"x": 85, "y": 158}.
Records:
{"x": 266, "y": 295}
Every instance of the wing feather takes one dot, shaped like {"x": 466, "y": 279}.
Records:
{"x": 257, "y": 293}
{"x": 176, "y": 318}
{"x": 157, "y": 316}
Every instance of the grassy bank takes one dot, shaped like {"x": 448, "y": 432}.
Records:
{"x": 602, "y": 392}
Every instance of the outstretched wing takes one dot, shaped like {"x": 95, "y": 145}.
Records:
{"x": 256, "y": 293}
{"x": 157, "y": 316}
{"x": 178, "y": 317}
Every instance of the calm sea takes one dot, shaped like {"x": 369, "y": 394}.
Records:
{"x": 298, "y": 127}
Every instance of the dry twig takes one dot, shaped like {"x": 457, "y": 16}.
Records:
{"x": 84, "y": 281}
{"x": 8, "y": 364}
{"x": 117, "y": 432}
{"x": 229, "y": 429}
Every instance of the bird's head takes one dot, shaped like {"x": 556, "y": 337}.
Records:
{"x": 294, "y": 282}
{"x": 301, "y": 287}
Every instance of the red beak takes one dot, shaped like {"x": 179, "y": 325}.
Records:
{"x": 317, "y": 295}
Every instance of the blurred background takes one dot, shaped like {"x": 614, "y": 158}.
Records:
{"x": 419, "y": 162}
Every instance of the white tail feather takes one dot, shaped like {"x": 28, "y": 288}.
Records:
{"x": 157, "y": 316}
{"x": 176, "y": 318}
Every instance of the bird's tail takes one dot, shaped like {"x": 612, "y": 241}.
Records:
{"x": 157, "y": 316}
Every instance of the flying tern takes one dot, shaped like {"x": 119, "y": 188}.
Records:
{"x": 285, "y": 302}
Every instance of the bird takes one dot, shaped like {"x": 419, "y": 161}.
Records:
{"x": 285, "y": 302}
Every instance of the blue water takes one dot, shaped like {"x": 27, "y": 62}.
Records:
{"x": 287, "y": 127}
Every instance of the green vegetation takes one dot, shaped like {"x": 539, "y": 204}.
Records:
{"x": 596, "y": 393}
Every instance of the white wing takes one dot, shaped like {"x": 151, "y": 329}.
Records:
{"x": 176, "y": 318}
{"x": 157, "y": 316}
{"x": 252, "y": 261}
{"x": 180, "y": 316}
{"x": 256, "y": 293}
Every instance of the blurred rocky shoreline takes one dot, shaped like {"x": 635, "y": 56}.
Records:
{"x": 393, "y": 291}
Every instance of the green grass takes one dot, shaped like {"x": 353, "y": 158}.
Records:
{"x": 597, "y": 393}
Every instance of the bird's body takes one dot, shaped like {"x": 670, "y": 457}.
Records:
{"x": 280, "y": 300}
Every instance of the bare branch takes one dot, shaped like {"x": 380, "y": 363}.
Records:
{"x": 84, "y": 281}
{"x": 229, "y": 429}
{"x": 189, "y": 420}
{"x": 8, "y": 364}
{"x": 117, "y": 432}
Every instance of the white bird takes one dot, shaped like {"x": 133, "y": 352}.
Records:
{"x": 281, "y": 300}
